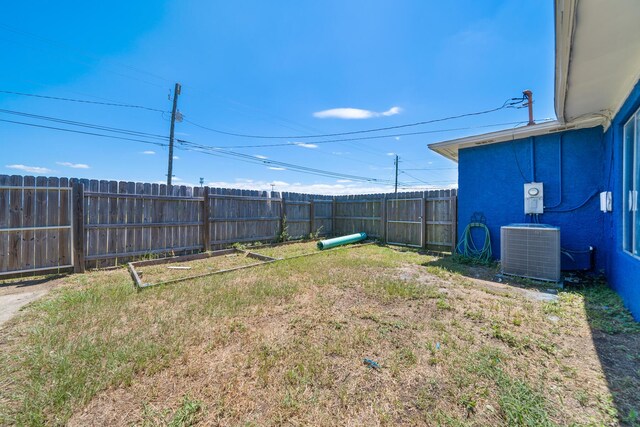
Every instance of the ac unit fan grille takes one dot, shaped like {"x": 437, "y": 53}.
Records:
{"x": 531, "y": 251}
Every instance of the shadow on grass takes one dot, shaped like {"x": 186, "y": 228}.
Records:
{"x": 23, "y": 282}
{"x": 616, "y": 338}
{"x": 615, "y": 334}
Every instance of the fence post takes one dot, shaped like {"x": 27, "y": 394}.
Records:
{"x": 312, "y": 214}
{"x": 77, "y": 191}
{"x": 423, "y": 219}
{"x": 283, "y": 214}
{"x": 454, "y": 220}
{"x": 206, "y": 220}
{"x": 333, "y": 216}
{"x": 383, "y": 219}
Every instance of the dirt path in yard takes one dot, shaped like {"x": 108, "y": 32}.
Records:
{"x": 15, "y": 294}
{"x": 482, "y": 280}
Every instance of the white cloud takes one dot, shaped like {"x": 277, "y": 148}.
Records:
{"x": 340, "y": 188}
{"x": 392, "y": 111}
{"x": 397, "y": 138}
{"x": 354, "y": 113}
{"x": 340, "y": 153}
{"x": 260, "y": 156}
{"x": 150, "y": 152}
{"x": 305, "y": 145}
{"x": 274, "y": 168}
{"x": 391, "y": 154}
{"x": 176, "y": 158}
{"x": 343, "y": 180}
{"x": 73, "y": 165}
{"x": 29, "y": 169}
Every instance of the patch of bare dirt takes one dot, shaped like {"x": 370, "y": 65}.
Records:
{"x": 16, "y": 293}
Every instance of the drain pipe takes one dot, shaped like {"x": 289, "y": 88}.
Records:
{"x": 533, "y": 158}
{"x": 559, "y": 174}
{"x": 529, "y": 95}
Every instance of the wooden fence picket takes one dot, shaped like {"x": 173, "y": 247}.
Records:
{"x": 54, "y": 223}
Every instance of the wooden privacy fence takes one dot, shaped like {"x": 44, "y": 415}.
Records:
{"x": 422, "y": 219}
{"x": 53, "y": 224}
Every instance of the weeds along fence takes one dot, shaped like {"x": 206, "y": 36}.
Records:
{"x": 55, "y": 224}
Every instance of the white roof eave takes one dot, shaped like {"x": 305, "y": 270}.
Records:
{"x": 565, "y": 13}
{"x": 597, "y": 57}
{"x": 449, "y": 149}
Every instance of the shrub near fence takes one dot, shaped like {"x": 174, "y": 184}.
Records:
{"x": 50, "y": 224}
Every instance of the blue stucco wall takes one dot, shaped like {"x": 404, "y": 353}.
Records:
{"x": 491, "y": 180}
{"x": 574, "y": 167}
{"x": 623, "y": 269}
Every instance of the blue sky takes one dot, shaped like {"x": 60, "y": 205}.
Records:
{"x": 279, "y": 68}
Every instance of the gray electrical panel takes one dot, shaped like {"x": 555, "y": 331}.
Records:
{"x": 533, "y": 198}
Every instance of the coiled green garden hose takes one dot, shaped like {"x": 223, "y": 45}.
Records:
{"x": 466, "y": 247}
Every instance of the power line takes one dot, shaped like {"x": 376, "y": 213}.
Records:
{"x": 85, "y": 101}
{"x": 218, "y": 152}
{"x": 84, "y": 133}
{"x": 284, "y": 144}
{"x": 428, "y": 169}
{"x": 85, "y": 125}
{"x": 425, "y": 182}
{"x": 268, "y": 162}
{"x": 324, "y": 174}
{"x": 509, "y": 103}
{"x": 199, "y": 148}
{"x": 103, "y": 128}
{"x": 112, "y": 129}
{"x": 151, "y": 135}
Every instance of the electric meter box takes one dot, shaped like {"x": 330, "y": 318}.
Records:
{"x": 533, "y": 198}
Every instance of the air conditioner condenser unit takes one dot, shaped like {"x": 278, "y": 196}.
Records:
{"x": 531, "y": 250}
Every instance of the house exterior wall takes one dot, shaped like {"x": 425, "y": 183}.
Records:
{"x": 623, "y": 269}
{"x": 570, "y": 165}
{"x": 491, "y": 179}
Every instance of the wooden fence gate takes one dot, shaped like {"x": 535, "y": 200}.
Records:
{"x": 405, "y": 221}
{"x": 421, "y": 219}
{"x": 36, "y": 224}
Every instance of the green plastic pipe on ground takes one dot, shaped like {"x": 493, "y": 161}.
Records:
{"x": 342, "y": 240}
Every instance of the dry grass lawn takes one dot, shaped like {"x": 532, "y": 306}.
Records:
{"x": 284, "y": 343}
{"x": 287, "y": 250}
{"x": 163, "y": 272}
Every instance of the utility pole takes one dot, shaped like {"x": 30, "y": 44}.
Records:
{"x": 396, "y": 163}
{"x": 176, "y": 93}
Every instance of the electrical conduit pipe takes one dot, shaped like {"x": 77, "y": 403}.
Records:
{"x": 342, "y": 240}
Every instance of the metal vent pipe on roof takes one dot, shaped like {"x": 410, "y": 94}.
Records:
{"x": 529, "y": 95}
